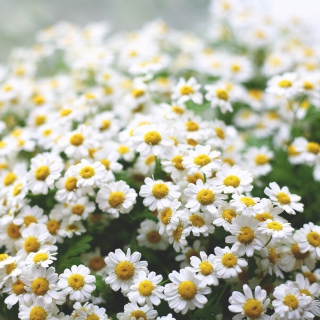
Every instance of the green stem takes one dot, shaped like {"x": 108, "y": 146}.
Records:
{"x": 268, "y": 242}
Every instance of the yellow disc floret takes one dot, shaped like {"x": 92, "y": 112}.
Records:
{"x": 70, "y": 183}
{"x": 261, "y": 159}
{"x": 196, "y": 220}
{"x": 42, "y": 173}
{"x": 31, "y": 244}
{"x": 222, "y": 94}
{"x": 186, "y": 90}
{"x": 124, "y": 270}
{"x": 40, "y": 286}
{"x": 231, "y": 181}
{"x": 205, "y": 197}
{"x": 87, "y": 172}
{"x": 228, "y": 215}
{"x": 152, "y": 137}
{"x": 206, "y": 268}
{"x": 160, "y": 190}
{"x": 249, "y": 202}
{"x": 76, "y": 281}
{"x": 201, "y": 160}
{"x": 138, "y": 315}
{"x": 166, "y": 215}
{"x": 153, "y": 236}
{"x": 291, "y": 301}
{"x": 76, "y": 139}
{"x": 246, "y": 235}
{"x": 145, "y": 288}
{"x": 39, "y": 257}
{"x": 229, "y": 260}
{"x": 9, "y": 179}
{"x": 187, "y": 290}
{"x": 252, "y": 308}
{"x": 313, "y": 238}
{"x": 274, "y": 225}
{"x": 283, "y": 198}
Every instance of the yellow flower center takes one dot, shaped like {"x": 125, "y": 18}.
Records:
{"x": 29, "y": 219}
{"x": 201, "y": 160}
{"x": 195, "y": 177}
{"x": 78, "y": 209}
{"x": 149, "y": 160}
{"x": 3, "y": 256}
{"x": 313, "y": 147}
{"x": 18, "y": 287}
{"x": 187, "y": 290}
{"x": 165, "y": 216}
{"x": 87, "y": 172}
{"x": 9, "y": 179}
{"x": 53, "y": 226}
{"x": 308, "y": 85}
{"x": 292, "y": 151}
{"x": 262, "y": 217}
{"x": 76, "y": 281}
{"x": 72, "y": 227}
{"x": 17, "y": 189}
{"x": 291, "y": 301}
{"x": 252, "y": 308}
{"x": 47, "y": 132}
{"x": 105, "y": 125}
{"x": 38, "y": 100}
{"x": 107, "y": 90}
{"x": 31, "y": 244}
{"x": 39, "y": 120}
{"x": 13, "y": 231}
{"x": 177, "y": 233}
{"x": 313, "y": 238}
{"x": 70, "y": 184}
{"x": 220, "y": 133}
{"x": 249, "y": 202}
{"x": 138, "y": 314}
{"x": 274, "y": 225}
{"x": 255, "y": 94}
{"x": 116, "y": 199}
{"x": 160, "y": 190}
{"x": 124, "y": 270}
{"x": 310, "y": 276}
{"x": 191, "y": 126}
{"x": 196, "y": 220}
{"x": 177, "y": 110}
{"x": 192, "y": 142}
{"x": 222, "y": 94}
{"x": 65, "y": 112}
{"x": 306, "y": 292}
{"x": 229, "y": 260}
{"x": 261, "y": 159}
{"x": 235, "y": 68}
{"x": 92, "y": 317}
{"x": 177, "y": 162}
{"x": 152, "y": 137}
{"x": 285, "y": 84}
{"x": 39, "y": 257}
{"x": 205, "y": 197}
{"x": 153, "y": 236}
{"x": 272, "y": 255}
{"x": 283, "y": 198}
{"x": 96, "y": 263}
{"x": 231, "y": 181}
{"x": 105, "y": 163}
{"x": 123, "y": 149}
{"x": 10, "y": 267}
{"x": 206, "y": 268}
{"x": 42, "y": 173}
{"x": 246, "y": 235}
{"x": 228, "y": 215}
{"x": 295, "y": 250}
{"x": 145, "y": 288}
{"x": 77, "y": 139}
{"x": 40, "y": 286}
{"x": 192, "y": 253}
{"x": 137, "y": 93}
{"x": 186, "y": 90}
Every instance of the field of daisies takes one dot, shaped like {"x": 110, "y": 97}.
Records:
{"x": 162, "y": 174}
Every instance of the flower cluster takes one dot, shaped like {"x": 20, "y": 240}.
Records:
{"x": 171, "y": 155}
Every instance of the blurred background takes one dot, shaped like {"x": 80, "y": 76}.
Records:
{"x": 21, "y": 19}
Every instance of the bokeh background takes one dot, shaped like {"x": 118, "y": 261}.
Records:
{"x": 21, "y": 19}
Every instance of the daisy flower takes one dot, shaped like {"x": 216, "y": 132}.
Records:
{"x": 187, "y": 90}
{"x": 44, "y": 170}
{"x": 188, "y": 252}
{"x": 226, "y": 213}
{"x": 185, "y": 292}
{"x": 78, "y": 210}
{"x": 158, "y": 194}
{"x": 249, "y": 305}
{"x": 308, "y": 239}
{"x": 284, "y": 85}
{"x": 246, "y": 205}
{"x": 94, "y": 261}
{"x": 271, "y": 262}
{"x": 42, "y": 258}
{"x": 70, "y": 228}
{"x": 258, "y": 160}
{"x": 133, "y": 311}
{"x": 149, "y": 236}
{"x": 90, "y": 311}
{"x": 152, "y": 140}
{"x": 177, "y": 234}
{"x": 199, "y": 223}
{"x": 146, "y": 289}
{"x": 218, "y": 97}
{"x": 77, "y": 282}
{"x": 283, "y": 198}
{"x": 203, "y": 267}
{"x": 169, "y": 215}
{"x": 232, "y": 180}
{"x": 88, "y": 174}
{"x": 276, "y": 228}
{"x": 269, "y": 211}
{"x": 116, "y": 197}
{"x": 29, "y": 215}
{"x": 36, "y": 308}
{"x": 123, "y": 269}
{"x": 289, "y": 303}
{"x": 203, "y": 196}
{"x": 173, "y": 164}
{"x": 227, "y": 263}
{"x": 168, "y": 317}
{"x": 202, "y": 160}
{"x": 245, "y": 237}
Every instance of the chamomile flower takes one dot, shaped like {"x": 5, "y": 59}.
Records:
{"x": 270, "y": 259}
{"x": 177, "y": 234}
{"x": 249, "y": 305}
{"x": 116, "y": 197}
{"x": 226, "y": 213}
{"x": 158, "y": 194}
{"x": 283, "y": 198}
{"x": 90, "y": 311}
{"x": 202, "y": 160}
{"x": 185, "y": 292}
{"x": 30, "y": 215}
{"x": 42, "y": 258}
{"x": 146, "y": 289}
{"x": 79, "y": 210}
{"x": 188, "y": 252}
{"x": 123, "y": 268}
{"x": 232, "y": 180}
{"x": 203, "y": 196}
{"x": 283, "y": 85}
{"x": 246, "y": 205}
{"x": 133, "y": 311}
{"x": 77, "y": 282}
{"x": 227, "y": 263}
{"x": 218, "y": 97}
{"x": 199, "y": 223}
{"x": 169, "y": 215}
{"x": 187, "y": 90}
{"x": 94, "y": 261}
{"x": 276, "y": 228}
{"x": 36, "y": 308}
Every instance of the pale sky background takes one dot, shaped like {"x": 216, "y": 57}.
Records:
{"x": 21, "y": 19}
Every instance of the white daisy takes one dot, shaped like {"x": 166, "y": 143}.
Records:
{"x": 271, "y": 262}
{"x": 123, "y": 268}
{"x": 78, "y": 210}
{"x": 246, "y": 205}
{"x": 146, "y": 289}
{"x": 249, "y": 305}
{"x": 177, "y": 234}
{"x": 94, "y": 261}
{"x": 77, "y": 282}
{"x": 29, "y": 215}
{"x": 187, "y": 90}
{"x": 283, "y": 85}
{"x": 116, "y": 197}
{"x": 276, "y": 228}
{"x": 169, "y": 215}
{"x": 188, "y": 252}
{"x": 42, "y": 258}
{"x": 90, "y": 311}
{"x": 36, "y": 308}
{"x": 133, "y": 311}
{"x": 158, "y": 194}
{"x": 199, "y": 223}
{"x": 283, "y": 198}
{"x": 218, "y": 97}
{"x": 226, "y": 213}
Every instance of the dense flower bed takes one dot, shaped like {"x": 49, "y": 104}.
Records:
{"x": 159, "y": 174}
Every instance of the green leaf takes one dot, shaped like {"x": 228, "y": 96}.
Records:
{"x": 208, "y": 312}
{"x": 252, "y": 267}
{"x": 220, "y": 233}
{"x": 267, "y": 279}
